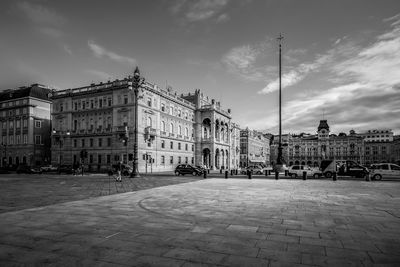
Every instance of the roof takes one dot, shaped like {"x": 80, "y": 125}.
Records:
{"x": 35, "y": 90}
{"x": 323, "y": 124}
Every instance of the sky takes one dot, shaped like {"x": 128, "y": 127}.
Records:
{"x": 340, "y": 59}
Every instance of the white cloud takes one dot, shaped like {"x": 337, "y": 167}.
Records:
{"x": 100, "y": 74}
{"x": 197, "y": 11}
{"x": 51, "y": 32}
{"x": 40, "y": 14}
{"x": 67, "y": 49}
{"x": 102, "y": 52}
{"x": 242, "y": 61}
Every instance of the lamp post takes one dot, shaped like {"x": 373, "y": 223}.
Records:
{"x": 58, "y": 135}
{"x": 4, "y": 159}
{"x": 136, "y": 82}
{"x": 279, "y": 160}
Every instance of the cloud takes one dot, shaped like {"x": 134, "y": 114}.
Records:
{"x": 99, "y": 74}
{"x": 51, "y": 32}
{"x": 196, "y": 11}
{"x": 243, "y": 61}
{"x": 40, "y": 14}
{"x": 102, "y": 52}
{"x": 67, "y": 49}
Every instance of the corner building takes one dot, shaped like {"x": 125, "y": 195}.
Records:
{"x": 99, "y": 119}
{"x": 25, "y": 126}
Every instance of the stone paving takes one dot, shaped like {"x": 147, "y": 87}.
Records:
{"x": 214, "y": 222}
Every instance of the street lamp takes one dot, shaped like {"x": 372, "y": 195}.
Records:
{"x": 4, "y": 159}
{"x": 58, "y": 136}
{"x": 136, "y": 83}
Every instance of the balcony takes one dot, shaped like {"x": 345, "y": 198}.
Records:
{"x": 121, "y": 129}
{"x": 179, "y": 136}
{"x": 163, "y": 133}
{"x": 150, "y": 131}
{"x": 187, "y": 137}
{"x": 205, "y": 139}
{"x": 171, "y": 134}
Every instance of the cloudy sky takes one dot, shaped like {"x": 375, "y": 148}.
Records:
{"x": 341, "y": 59}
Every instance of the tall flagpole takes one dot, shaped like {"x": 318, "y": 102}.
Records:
{"x": 279, "y": 160}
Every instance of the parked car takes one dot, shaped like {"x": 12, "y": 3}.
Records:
{"x": 297, "y": 170}
{"x": 4, "y": 171}
{"x": 385, "y": 171}
{"x": 343, "y": 167}
{"x": 28, "y": 169}
{"x": 49, "y": 168}
{"x": 253, "y": 169}
{"x": 67, "y": 169}
{"x": 187, "y": 169}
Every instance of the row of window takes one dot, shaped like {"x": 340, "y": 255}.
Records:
{"x": 171, "y": 145}
{"x": 179, "y": 160}
{"x": 14, "y": 103}
{"x": 17, "y": 124}
{"x": 18, "y": 141}
{"x": 13, "y": 112}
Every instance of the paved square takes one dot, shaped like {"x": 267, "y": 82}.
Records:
{"x": 233, "y": 222}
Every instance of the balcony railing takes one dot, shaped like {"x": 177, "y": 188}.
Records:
{"x": 172, "y": 134}
{"x": 163, "y": 133}
{"x": 179, "y": 136}
{"x": 150, "y": 131}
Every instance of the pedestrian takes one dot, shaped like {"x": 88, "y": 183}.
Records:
{"x": 119, "y": 167}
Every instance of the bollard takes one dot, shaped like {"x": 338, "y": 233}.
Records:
{"x": 220, "y": 171}
{"x": 266, "y": 172}
{"x": 276, "y": 175}
{"x": 205, "y": 174}
{"x": 367, "y": 177}
{"x": 208, "y": 171}
{"x": 236, "y": 172}
{"x": 231, "y": 172}
{"x": 334, "y": 176}
{"x": 269, "y": 172}
{"x": 286, "y": 173}
{"x": 304, "y": 176}
{"x": 226, "y": 174}
{"x": 249, "y": 174}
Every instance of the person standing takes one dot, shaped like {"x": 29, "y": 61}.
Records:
{"x": 119, "y": 170}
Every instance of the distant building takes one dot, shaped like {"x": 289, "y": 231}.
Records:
{"x": 25, "y": 126}
{"x": 377, "y": 135}
{"x": 254, "y": 148}
{"x": 307, "y": 149}
{"x": 235, "y": 146}
{"x": 378, "y": 152}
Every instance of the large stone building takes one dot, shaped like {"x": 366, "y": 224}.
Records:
{"x": 25, "y": 126}
{"x": 254, "y": 148}
{"x": 172, "y": 129}
{"x": 309, "y": 149}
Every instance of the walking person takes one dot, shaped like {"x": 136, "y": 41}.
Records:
{"x": 119, "y": 169}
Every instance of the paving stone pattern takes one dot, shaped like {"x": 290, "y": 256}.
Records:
{"x": 214, "y": 222}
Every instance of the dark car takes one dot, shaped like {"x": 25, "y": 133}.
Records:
{"x": 28, "y": 169}
{"x": 187, "y": 169}
{"x": 67, "y": 169}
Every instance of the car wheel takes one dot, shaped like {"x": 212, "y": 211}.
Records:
{"x": 293, "y": 175}
{"x": 316, "y": 175}
{"x": 194, "y": 173}
{"x": 259, "y": 172}
{"x": 177, "y": 173}
{"x": 328, "y": 175}
{"x": 377, "y": 177}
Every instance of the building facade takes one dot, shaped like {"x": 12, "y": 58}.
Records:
{"x": 310, "y": 150}
{"x": 377, "y": 135}
{"x": 172, "y": 129}
{"x": 25, "y": 126}
{"x": 254, "y": 148}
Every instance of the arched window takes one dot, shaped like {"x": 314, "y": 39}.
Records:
{"x": 186, "y": 131}
{"x": 180, "y": 130}
{"x": 171, "y": 127}
{"x": 149, "y": 122}
{"x": 163, "y": 126}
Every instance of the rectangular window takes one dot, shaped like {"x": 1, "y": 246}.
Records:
{"x": 162, "y": 144}
{"x": 179, "y": 146}
{"x": 83, "y": 143}
{"x": 108, "y": 159}
{"x": 100, "y": 142}
{"x": 192, "y": 160}
{"x": 162, "y": 159}
{"x": 163, "y": 107}
{"x": 172, "y": 145}
{"x": 179, "y": 160}
{"x": 38, "y": 139}
{"x": 38, "y": 124}
{"x": 100, "y": 103}
{"x": 149, "y": 101}
{"x": 11, "y": 139}
{"x": 91, "y": 142}
{"x": 108, "y": 141}
{"x": 25, "y": 138}
{"x": 192, "y": 147}
{"x": 18, "y": 141}
{"x": 186, "y": 147}
{"x": 90, "y": 158}
{"x": 75, "y": 143}
{"x": 171, "y": 159}
{"x": 125, "y": 99}
{"x": 186, "y": 160}
{"x": 109, "y": 102}
{"x": 99, "y": 159}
